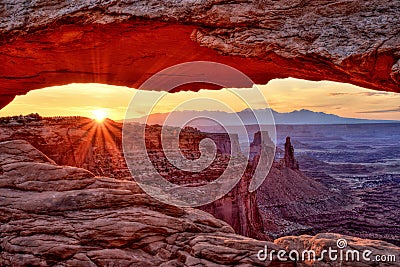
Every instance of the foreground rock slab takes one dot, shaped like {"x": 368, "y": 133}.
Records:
{"x": 65, "y": 216}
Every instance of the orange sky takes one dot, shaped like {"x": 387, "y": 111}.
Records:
{"x": 283, "y": 95}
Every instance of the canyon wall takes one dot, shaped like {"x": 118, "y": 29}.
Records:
{"x": 75, "y": 141}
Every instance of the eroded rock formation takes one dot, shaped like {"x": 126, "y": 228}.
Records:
{"x": 287, "y": 203}
{"x": 122, "y": 43}
{"x": 65, "y": 216}
{"x": 240, "y": 209}
{"x": 288, "y": 158}
{"x": 226, "y": 144}
{"x": 261, "y": 143}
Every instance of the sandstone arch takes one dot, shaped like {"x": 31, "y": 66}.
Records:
{"x": 47, "y": 43}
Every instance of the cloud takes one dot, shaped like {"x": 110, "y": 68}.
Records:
{"x": 318, "y": 106}
{"x": 336, "y": 94}
{"x": 381, "y": 111}
{"x": 360, "y": 93}
{"x": 372, "y": 93}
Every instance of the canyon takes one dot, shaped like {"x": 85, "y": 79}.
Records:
{"x": 63, "y": 215}
{"x": 288, "y": 202}
{"x": 362, "y": 161}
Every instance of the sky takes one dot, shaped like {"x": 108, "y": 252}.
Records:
{"x": 283, "y": 95}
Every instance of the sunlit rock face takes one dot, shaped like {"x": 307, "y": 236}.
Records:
{"x": 53, "y": 43}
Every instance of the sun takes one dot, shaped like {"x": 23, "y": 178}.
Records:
{"x": 99, "y": 115}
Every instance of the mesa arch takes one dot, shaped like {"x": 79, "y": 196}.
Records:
{"x": 47, "y": 43}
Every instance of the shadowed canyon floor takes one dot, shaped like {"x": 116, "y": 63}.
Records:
{"x": 364, "y": 162}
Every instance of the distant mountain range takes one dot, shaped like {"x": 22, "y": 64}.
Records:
{"x": 303, "y": 116}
